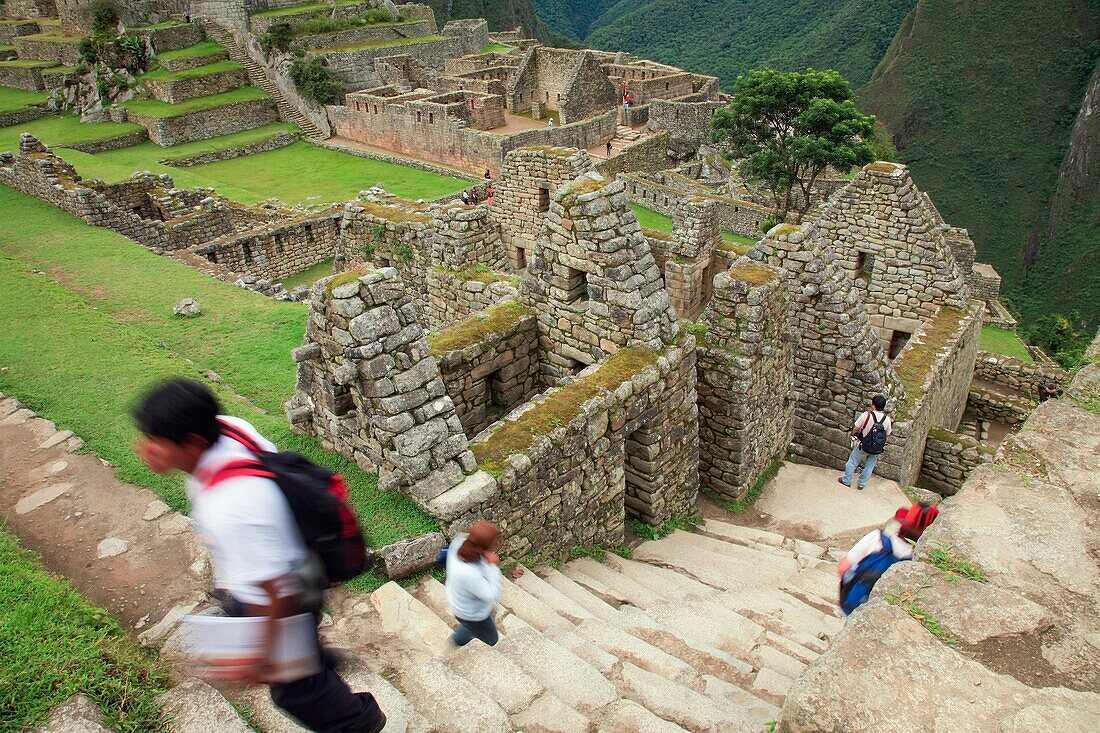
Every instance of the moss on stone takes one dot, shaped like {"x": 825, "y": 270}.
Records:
{"x": 785, "y": 229}
{"x": 752, "y": 273}
{"x": 558, "y": 409}
{"x": 587, "y": 185}
{"x": 498, "y": 319}
{"x": 395, "y": 214}
{"x": 734, "y": 247}
{"x": 346, "y": 277}
{"x": 657, "y": 234}
{"x": 477, "y": 273}
{"x": 918, "y": 358}
{"x": 882, "y": 167}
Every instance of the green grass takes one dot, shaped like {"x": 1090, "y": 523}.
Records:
{"x": 202, "y": 48}
{"x": 750, "y": 497}
{"x": 12, "y": 99}
{"x": 28, "y": 64}
{"x": 53, "y": 38}
{"x": 6, "y": 47}
{"x": 383, "y": 44}
{"x": 945, "y": 559}
{"x": 158, "y": 110}
{"x": 649, "y": 532}
{"x": 309, "y": 275}
{"x": 298, "y": 173}
{"x": 738, "y": 239}
{"x": 54, "y": 644}
{"x": 305, "y": 8}
{"x": 656, "y": 221}
{"x": 83, "y": 341}
{"x": 64, "y": 129}
{"x": 217, "y": 67}
{"x": 1005, "y": 342}
{"x": 158, "y": 26}
{"x": 926, "y": 619}
{"x": 58, "y": 70}
{"x": 494, "y": 47}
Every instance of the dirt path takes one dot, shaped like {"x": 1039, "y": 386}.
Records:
{"x": 64, "y": 505}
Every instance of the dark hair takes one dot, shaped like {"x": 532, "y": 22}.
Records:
{"x": 879, "y": 402}
{"x": 177, "y": 409}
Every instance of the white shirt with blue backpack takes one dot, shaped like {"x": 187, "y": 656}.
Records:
{"x": 870, "y": 558}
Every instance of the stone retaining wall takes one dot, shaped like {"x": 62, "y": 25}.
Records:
{"x": 356, "y": 68}
{"x": 494, "y": 373}
{"x": 181, "y": 90}
{"x": 172, "y": 38}
{"x": 398, "y": 160}
{"x": 1016, "y": 375}
{"x": 366, "y": 34}
{"x": 649, "y": 154}
{"x": 19, "y": 117}
{"x": 28, "y": 79}
{"x": 663, "y": 192}
{"x": 275, "y": 142}
{"x": 208, "y": 123}
{"x": 112, "y": 143}
{"x": 454, "y": 295}
{"x": 948, "y": 460}
{"x": 60, "y": 51}
{"x": 187, "y": 63}
{"x": 276, "y": 250}
{"x": 1008, "y": 409}
{"x": 259, "y": 24}
{"x": 12, "y": 30}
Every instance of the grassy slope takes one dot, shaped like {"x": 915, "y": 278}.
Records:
{"x": 82, "y": 341}
{"x": 208, "y": 47}
{"x": 502, "y": 15}
{"x": 1008, "y": 343}
{"x": 54, "y": 644}
{"x": 64, "y": 129}
{"x": 309, "y": 275}
{"x": 981, "y": 105}
{"x": 729, "y": 37}
{"x": 158, "y": 109}
{"x": 299, "y": 173}
{"x": 12, "y": 99}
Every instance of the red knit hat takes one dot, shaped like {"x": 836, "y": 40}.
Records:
{"x": 915, "y": 519}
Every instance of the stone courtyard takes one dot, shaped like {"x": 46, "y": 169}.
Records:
{"x": 654, "y": 419}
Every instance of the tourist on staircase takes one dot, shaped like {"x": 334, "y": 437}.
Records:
{"x": 262, "y": 565}
{"x": 869, "y": 559}
{"x": 869, "y": 435}
{"x": 474, "y": 582}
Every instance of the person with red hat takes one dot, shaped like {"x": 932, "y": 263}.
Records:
{"x": 877, "y": 551}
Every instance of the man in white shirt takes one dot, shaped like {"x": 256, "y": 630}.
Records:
{"x": 869, "y": 435}
{"x": 258, "y": 552}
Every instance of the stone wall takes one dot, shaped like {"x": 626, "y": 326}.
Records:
{"x": 366, "y": 34}
{"x": 279, "y": 249}
{"x": 1016, "y": 375}
{"x": 31, "y": 47}
{"x": 275, "y": 142}
{"x": 455, "y": 294}
{"x": 181, "y": 90}
{"x": 998, "y": 406}
{"x": 30, "y": 8}
{"x": 28, "y": 79}
{"x": 112, "y": 143}
{"x": 356, "y": 68}
{"x": 171, "y": 38}
{"x": 687, "y": 123}
{"x": 662, "y": 191}
{"x": 593, "y": 280}
{"x": 649, "y": 154}
{"x": 208, "y": 123}
{"x": 745, "y": 363}
{"x": 948, "y": 460}
{"x": 369, "y": 388}
{"x": 491, "y": 369}
{"x": 12, "y": 30}
{"x": 7, "y": 119}
{"x": 588, "y": 93}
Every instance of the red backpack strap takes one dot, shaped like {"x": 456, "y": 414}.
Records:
{"x": 238, "y": 469}
{"x": 235, "y": 433}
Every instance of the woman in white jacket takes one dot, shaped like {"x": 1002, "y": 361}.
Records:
{"x": 474, "y": 582}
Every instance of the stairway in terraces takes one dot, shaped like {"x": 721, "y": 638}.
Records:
{"x": 701, "y": 631}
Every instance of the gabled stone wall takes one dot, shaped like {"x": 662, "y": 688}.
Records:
{"x": 277, "y": 250}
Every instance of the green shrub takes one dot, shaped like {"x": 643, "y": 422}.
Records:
{"x": 103, "y": 14}
{"x": 277, "y": 38}
{"x": 89, "y": 52}
{"x": 768, "y": 224}
{"x": 315, "y": 80}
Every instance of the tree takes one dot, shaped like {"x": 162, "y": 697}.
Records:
{"x": 788, "y": 127}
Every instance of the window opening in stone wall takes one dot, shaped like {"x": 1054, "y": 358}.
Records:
{"x": 521, "y": 258}
{"x": 576, "y": 285}
{"x": 496, "y": 402}
{"x": 865, "y": 265}
{"x": 640, "y": 455}
{"x": 431, "y": 118}
{"x": 898, "y": 340}
{"x": 544, "y": 199}
{"x": 212, "y": 256}
{"x": 418, "y": 117}
{"x": 574, "y": 367}
{"x": 246, "y": 253}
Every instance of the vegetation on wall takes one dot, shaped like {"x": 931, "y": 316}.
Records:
{"x": 731, "y": 37}
{"x": 786, "y": 128}
{"x": 502, "y": 15}
{"x": 315, "y": 80}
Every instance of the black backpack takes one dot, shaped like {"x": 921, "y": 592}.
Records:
{"x": 317, "y": 498}
{"x": 874, "y": 442}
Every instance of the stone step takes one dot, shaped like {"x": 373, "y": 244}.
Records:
{"x": 403, "y": 615}
{"x": 784, "y": 608}
{"x": 194, "y": 705}
{"x": 569, "y": 639}
{"x": 739, "y": 569}
{"x": 759, "y": 712}
{"x": 627, "y": 716}
{"x": 496, "y": 675}
{"x": 627, "y": 647}
{"x": 587, "y": 569}
{"x": 778, "y": 562}
{"x": 596, "y": 588}
{"x": 562, "y": 672}
{"x": 450, "y": 702}
{"x": 550, "y": 714}
{"x": 561, "y": 604}
{"x": 533, "y": 611}
{"x": 667, "y": 584}
{"x": 687, "y": 708}
{"x": 738, "y": 534}
{"x": 727, "y": 631}
{"x": 771, "y": 685}
{"x": 432, "y": 594}
{"x": 768, "y": 656}
{"x": 578, "y": 594}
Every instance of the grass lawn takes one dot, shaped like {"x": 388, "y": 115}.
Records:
{"x": 650, "y": 219}
{"x": 53, "y": 38}
{"x": 64, "y": 129}
{"x": 299, "y": 173}
{"x": 309, "y": 275}
{"x": 83, "y": 341}
{"x": 54, "y": 644}
{"x": 202, "y": 48}
{"x": 496, "y": 48}
{"x": 28, "y": 64}
{"x": 306, "y": 8}
{"x": 385, "y": 44}
{"x": 1005, "y": 342}
{"x": 12, "y": 99}
{"x": 215, "y": 68}
{"x": 159, "y": 110}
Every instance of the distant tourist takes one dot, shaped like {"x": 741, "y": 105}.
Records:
{"x": 489, "y": 194}
{"x": 474, "y": 197}
{"x": 474, "y": 582}
{"x": 262, "y": 566}
{"x": 608, "y": 148}
{"x": 465, "y": 197}
{"x": 627, "y": 101}
{"x": 488, "y": 175}
{"x": 1047, "y": 392}
{"x": 869, "y": 435}
{"x": 869, "y": 559}
{"x": 550, "y": 123}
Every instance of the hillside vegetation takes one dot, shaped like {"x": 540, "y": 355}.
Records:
{"x": 981, "y": 106}
{"x": 502, "y": 15}
{"x": 730, "y": 37}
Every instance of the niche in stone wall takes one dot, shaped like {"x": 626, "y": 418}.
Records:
{"x": 640, "y": 466}
{"x": 898, "y": 340}
{"x": 865, "y": 265}
{"x": 576, "y": 285}
{"x": 544, "y": 199}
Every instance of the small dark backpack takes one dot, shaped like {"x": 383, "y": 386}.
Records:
{"x": 317, "y": 498}
{"x": 856, "y": 587}
{"x": 874, "y": 442}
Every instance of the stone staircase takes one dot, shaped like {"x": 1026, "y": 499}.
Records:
{"x": 256, "y": 74}
{"x": 624, "y": 138}
{"x": 701, "y": 631}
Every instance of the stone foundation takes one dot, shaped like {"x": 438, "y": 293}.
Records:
{"x": 948, "y": 460}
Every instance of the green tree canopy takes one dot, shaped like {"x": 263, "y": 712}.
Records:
{"x": 786, "y": 127}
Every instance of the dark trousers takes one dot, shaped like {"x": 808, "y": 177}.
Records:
{"x": 485, "y": 630}
{"x": 322, "y": 702}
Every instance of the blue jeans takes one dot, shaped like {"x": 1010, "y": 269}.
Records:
{"x": 485, "y": 630}
{"x": 858, "y": 456}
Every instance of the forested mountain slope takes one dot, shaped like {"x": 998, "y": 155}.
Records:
{"x": 981, "y": 98}
{"x": 503, "y": 15}
{"x": 730, "y": 37}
